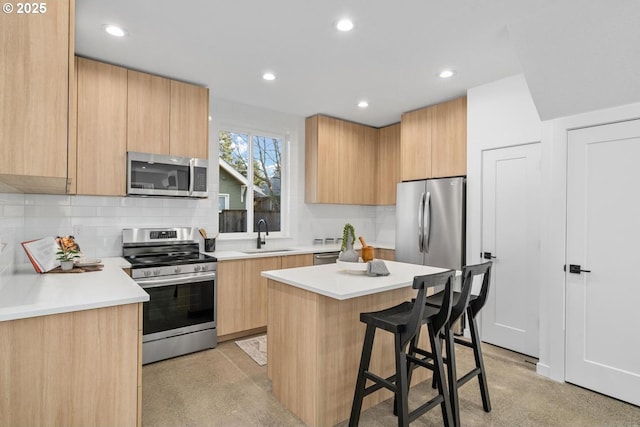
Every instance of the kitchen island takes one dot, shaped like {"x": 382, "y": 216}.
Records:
{"x": 315, "y": 336}
{"x": 70, "y": 347}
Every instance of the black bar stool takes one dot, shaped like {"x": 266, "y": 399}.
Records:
{"x": 472, "y": 304}
{"x": 404, "y": 321}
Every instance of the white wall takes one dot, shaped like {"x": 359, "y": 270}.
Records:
{"x": 97, "y": 222}
{"x": 501, "y": 114}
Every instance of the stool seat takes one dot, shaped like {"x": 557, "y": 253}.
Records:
{"x": 394, "y": 319}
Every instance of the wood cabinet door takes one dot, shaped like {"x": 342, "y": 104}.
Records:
{"x": 415, "y": 145}
{"x": 449, "y": 136}
{"x": 102, "y": 128}
{"x": 34, "y": 91}
{"x": 388, "y": 164}
{"x": 293, "y": 261}
{"x": 388, "y": 254}
{"x": 230, "y": 304}
{"x": 148, "y": 107}
{"x": 329, "y": 161}
{"x": 365, "y": 165}
{"x": 189, "y": 123}
{"x": 255, "y": 291}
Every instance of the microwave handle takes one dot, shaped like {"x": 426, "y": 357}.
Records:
{"x": 192, "y": 171}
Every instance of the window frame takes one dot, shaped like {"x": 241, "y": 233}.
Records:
{"x": 285, "y": 188}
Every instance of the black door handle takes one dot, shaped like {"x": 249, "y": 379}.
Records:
{"x": 487, "y": 255}
{"x": 576, "y": 269}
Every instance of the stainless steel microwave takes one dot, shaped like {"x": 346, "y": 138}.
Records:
{"x": 159, "y": 175}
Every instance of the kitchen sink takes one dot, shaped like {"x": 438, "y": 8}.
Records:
{"x": 264, "y": 251}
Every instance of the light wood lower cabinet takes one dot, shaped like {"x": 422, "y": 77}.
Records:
{"x": 73, "y": 369}
{"x": 388, "y": 254}
{"x": 293, "y": 261}
{"x": 242, "y": 294}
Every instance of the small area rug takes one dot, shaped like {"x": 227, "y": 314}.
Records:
{"x": 256, "y": 348}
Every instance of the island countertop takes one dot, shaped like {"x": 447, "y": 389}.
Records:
{"x": 26, "y": 293}
{"x": 332, "y": 281}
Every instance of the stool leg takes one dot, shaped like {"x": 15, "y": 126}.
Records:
{"x": 436, "y": 349}
{"x": 413, "y": 344}
{"x": 433, "y": 377}
{"x": 402, "y": 386}
{"x": 477, "y": 354}
{"x": 452, "y": 378}
{"x": 361, "y": 381}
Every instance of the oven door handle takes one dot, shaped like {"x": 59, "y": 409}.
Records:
{"x": 182, "y": 280}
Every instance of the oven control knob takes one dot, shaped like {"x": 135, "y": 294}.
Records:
{"x": 205, "y": 267}
{"x": 196, "y": 268}
{"x": 147, "y": 273}
{"x": 177, "y": 270}
{"x": 156, "y": 272}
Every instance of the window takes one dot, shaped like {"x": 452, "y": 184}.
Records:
{"x": 223, "y": 202}
{"x": 251, "y": 170}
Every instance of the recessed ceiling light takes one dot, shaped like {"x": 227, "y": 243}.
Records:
{"x": 445, "y": 74}
{"x": 345, "y": 25}
{"x": 363, "y": 104}
{"x": 269, "y": 76}
{"x": 209, "y": 118}
{"x": 115, "y": 31}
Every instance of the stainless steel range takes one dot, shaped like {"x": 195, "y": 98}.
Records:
{"x": 180, "y": 316}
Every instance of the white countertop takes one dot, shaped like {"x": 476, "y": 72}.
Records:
{"x": 26, "y": 293}
{"x": 331, "y": 281}
{"x": 289, "y": 250}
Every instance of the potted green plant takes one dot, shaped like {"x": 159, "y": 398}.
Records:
{"x": 348, "y": 254}
{"x": 67, "y": 250}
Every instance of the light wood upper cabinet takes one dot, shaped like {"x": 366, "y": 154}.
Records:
{"x": 340, "y": 161}
{"x": 434, "y": 141}
{"x": 388, "y": 164}
{"x": 449, "y": 136}
{"x": 189, "y": 123}
{"x": 148, "y": 113}
{"x": 36, "y": 67}
{"x": 102, "y": 128}
{"x": 415, "y": 150}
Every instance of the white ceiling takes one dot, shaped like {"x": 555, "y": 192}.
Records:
{"x": 390, "y": 59}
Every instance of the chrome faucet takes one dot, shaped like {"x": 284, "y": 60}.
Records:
{"x": 266, "y": 229}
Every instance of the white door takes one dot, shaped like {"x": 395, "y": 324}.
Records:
{"x": 511, "y": 183}
{"x": 603, "y": 233}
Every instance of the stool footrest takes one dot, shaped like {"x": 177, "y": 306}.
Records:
{"x": 427, "y": 362}
{"x": 463, "y": 342}
{"x": 379, "y": 383}
{"x": 471, "y": 374}
{"x": 422, "y": 409}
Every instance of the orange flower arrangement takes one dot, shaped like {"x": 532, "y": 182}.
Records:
{"x": 68, "y": 248}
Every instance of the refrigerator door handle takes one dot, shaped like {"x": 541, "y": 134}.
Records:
{"x": 421, "y": 223}
{"x": 427, "y": 222}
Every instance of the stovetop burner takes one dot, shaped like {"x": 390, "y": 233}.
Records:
{"x": 155, "y": 260}
{"x": 160, "y": 251}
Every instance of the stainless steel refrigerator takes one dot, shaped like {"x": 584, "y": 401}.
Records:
{"x": 430, "y": 222}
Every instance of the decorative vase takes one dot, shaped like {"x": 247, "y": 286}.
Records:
{"x": 349, "y": 254}
{"x": 66, "y": 265}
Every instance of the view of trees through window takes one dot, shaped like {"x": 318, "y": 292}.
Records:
{"x": 247, "y": 200}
